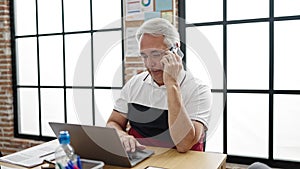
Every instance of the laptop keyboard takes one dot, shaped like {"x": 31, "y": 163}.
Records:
{"x": 133, "y": 155}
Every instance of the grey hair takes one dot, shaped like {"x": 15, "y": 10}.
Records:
{"x": 159, "y": 26}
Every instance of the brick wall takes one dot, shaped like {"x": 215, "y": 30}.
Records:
{"x": 8, "y": 144}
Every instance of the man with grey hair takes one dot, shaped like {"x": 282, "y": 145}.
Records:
{"x": 165, "y": 106}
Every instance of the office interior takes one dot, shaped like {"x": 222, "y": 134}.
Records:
{"x": 67, "y": 60}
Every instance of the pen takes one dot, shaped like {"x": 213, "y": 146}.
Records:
{"x": 79, "y": 162}
{"x": 70, "y": 165}
{"x": 60, "y": 166}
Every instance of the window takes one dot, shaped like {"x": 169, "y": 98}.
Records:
{"x": 64, "y": 69}
{"x": 258, "y": 99}
{"x": 251, "y": 58}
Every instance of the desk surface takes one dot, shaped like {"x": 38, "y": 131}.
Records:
{"x": 171, "y": 159}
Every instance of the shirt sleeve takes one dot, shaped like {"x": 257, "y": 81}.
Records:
{"x": 199, "y": 104}
{"x": 121, "y": 104}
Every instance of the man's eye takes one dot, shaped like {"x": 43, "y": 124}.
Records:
{"x": 144, "y": 56}
{"x": 155, "y": 54}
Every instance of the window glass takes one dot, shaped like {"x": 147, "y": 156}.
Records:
{"x": 79, "y": 106}
{"x": 51, "y": 60}
{"x": 286, "y": 127}
{"x": 204, "y": 11}
{"x": 101, "y": 19}
{"x": 108, "y": 59}
{"x": 26, "y": 54}
{"x": 286, "y": 55}
{"x": 208, "y": 47}
{"x": 247, "y": 9}
{"x": 52, "y": 108}
{"x": 78, "y": 59}
{"x": 247, "y": 119}
{"x": 104, "y": 104}
{"x": 77, "y": 15}
{"x": 25, "y": 17}
{"x": 49, "y": 16}
{"x": 286, "y": 8}
{"x": 197, "y": 67}
{"x": 28, "y": 111}
{"x": 214, "y": 138}
{"x": 248, "y": 56}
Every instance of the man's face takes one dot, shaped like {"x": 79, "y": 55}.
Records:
{"x": 152, "y": 48}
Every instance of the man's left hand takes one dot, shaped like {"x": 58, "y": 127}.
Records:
{"x": 172, "y": 67}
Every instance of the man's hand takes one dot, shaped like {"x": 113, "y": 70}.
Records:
{"x": 130, "y": 143}
{"x": 119, "y": 122}
{"x": 172, "y": 66}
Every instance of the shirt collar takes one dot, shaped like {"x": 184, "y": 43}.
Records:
{"x": 148, "y": 79}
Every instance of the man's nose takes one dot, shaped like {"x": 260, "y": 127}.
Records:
{"x": 150, "y": 62}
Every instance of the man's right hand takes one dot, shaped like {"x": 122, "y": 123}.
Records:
{"x": 119, "y": 122}
{"x": 130, "y": 143}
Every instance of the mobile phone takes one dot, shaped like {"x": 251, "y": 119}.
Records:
{"x": 178, "y": 51}
{"x": 152, "y": 167}
{"x": 91, "y": 164}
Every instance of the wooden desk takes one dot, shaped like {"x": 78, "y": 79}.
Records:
{"x": 171, "y": 159}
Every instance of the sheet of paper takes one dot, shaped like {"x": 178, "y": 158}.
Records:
{"x": 162, "y": 5}
{"x": 135, "y": 9}
{"x": 33, "y": 156}
{"x": 131, "y": 45}
{"x": 150, "y": 15}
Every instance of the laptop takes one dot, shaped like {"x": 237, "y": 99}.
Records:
{"x": 100, "y": 143}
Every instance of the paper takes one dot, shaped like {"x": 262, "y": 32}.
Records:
{"x": 131, "y": 45}
{"x": 147, "y": 5}
{"x": 135, "y": 9}
{"x": 162, "y": 5}
{"x": 150, "y": 15}
{"x": 168, "y": 15}
{"x": 33, "y": 156}
{"x": 133, "y": 6}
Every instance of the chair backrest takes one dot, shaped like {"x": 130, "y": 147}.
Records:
{"x": 204, "y": 141}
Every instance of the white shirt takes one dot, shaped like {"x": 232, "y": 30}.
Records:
{"x": 141, "y": 89}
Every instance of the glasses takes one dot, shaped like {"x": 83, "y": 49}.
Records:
{"x": 154, "y": 54}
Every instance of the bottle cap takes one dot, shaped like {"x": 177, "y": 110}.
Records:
{"x": 64, "y": 137}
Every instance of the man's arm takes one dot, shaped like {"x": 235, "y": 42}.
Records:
{"x": 184, "y": 132}
{"x": 119, "y": 121}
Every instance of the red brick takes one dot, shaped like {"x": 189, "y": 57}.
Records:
{"x": 6, "y": 125}
{"x": 133, "y": 59}
{"x": 5, "y": 83}
{"x": 6, "y": 66}
{"x": 8, "y": 72}
{"x": 7, "y": 89}
{"x": 7, "y": 120}
{"x": 8, "y": 129}
{"x": 135, "y": 65}
{"x": 5, "y": 61}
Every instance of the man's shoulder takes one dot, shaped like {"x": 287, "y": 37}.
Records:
{"x": 191, "y": 79}
{"x": 192, "y": 83}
